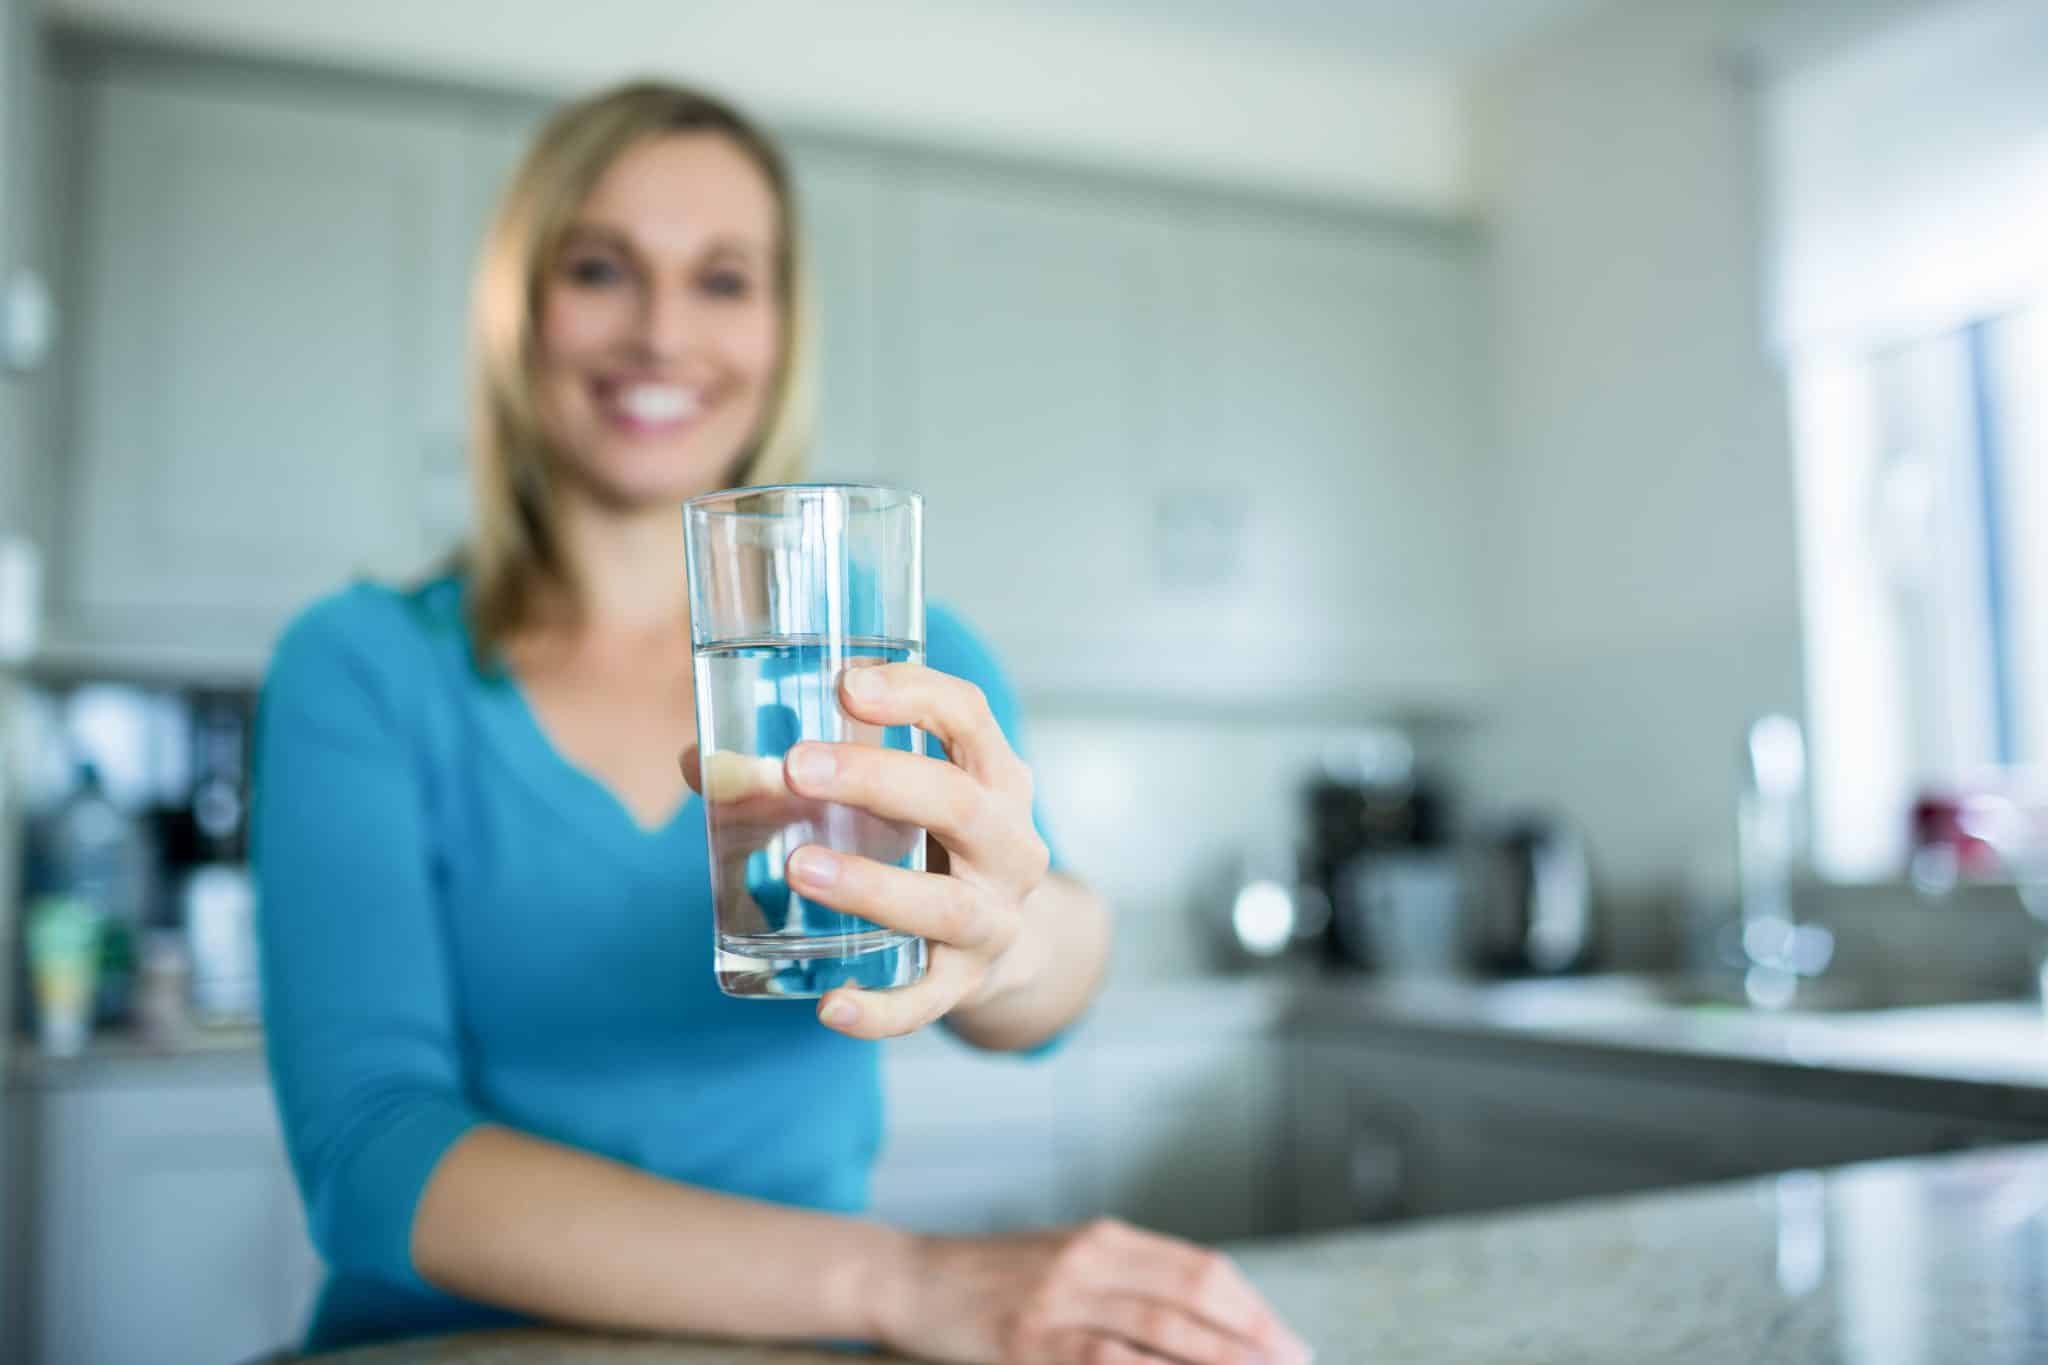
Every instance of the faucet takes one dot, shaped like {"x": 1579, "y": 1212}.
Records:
{"x": 1777, "y": 952}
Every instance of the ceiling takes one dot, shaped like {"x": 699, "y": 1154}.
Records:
{"x": 1434, "y": 31}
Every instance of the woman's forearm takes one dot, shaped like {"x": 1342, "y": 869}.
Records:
{"x": 547, "y": 1230}
{"x": 1060, "y": 955}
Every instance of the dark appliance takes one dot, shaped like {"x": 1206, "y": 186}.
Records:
{"x": 1373, "y": 818}
{"x": 1529, "y": 898}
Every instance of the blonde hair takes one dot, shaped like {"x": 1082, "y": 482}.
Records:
{"x": 515, "y": 550}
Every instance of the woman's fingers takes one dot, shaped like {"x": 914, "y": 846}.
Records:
{"x": 1170, "y": 1331}
{"x": 914, "y": 790}
{"x": 1203, "y": 1281}
{"x": 952, "y": 708}
{"x": 890, "y": 1014}
{"x": 942, "y": 909}
{"x": 1079, "y": 1346}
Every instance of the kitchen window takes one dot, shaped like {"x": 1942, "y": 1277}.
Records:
{"x": 1924, "y": 517}
{"x": 1907, "y": 216}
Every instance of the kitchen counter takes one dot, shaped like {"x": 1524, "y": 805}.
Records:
{"x": 1990, "y": 1058}
{"x": 1919, "y": 1262}
{"x": 120, "y": 1057}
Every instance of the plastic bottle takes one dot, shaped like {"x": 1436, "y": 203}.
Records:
{"x": 101, "y": 856}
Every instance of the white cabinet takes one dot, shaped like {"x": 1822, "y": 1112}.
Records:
{"x": 1036, "y": 315}
{"x": 1176, "y": 451}
{"x": 489, "y": 140}
{"x": 1185, "y": 1136}
{"x": 974, "y": 1142}
{"x": 848, "y": 215}
{"x": 167, "y": 1225}
{"x": 1174, "y": 446}
{"x": 1182, "y": 1136}
{"x": 254, "y": 363}
{"x": 1324, "y": 384}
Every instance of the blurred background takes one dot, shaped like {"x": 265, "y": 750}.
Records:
{"x": 1521, "y": 527}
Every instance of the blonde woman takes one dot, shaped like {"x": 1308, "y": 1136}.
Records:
{"x": 510, "y": 1087}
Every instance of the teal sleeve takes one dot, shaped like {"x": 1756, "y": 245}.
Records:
{"x": 357, "y": 1001}
{"x": 951, "y": 647}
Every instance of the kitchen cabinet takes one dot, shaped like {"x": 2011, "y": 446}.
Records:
{"x": 253, "y": 363}
{"x": 1322, "y": 389}
{"x": 167, "y": 1225}
{"x": 1177, "y": 445}
{"x": 1036, "y": 316}
{"x": 1389, "y": 1127}
{"x": 975, "y": 1143}
{"x": 1184, "y": 1136}
{"x": 1186, "y": 451}
{"x": 849, "y": 211}
{"x": 489, "y": 138}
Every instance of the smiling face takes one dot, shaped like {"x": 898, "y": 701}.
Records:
{"x": 660, "y": 322}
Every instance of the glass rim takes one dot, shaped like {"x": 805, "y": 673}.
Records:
{"x": 711, "y": 503}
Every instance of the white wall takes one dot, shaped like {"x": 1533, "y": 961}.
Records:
{"x": 1151, "y": 807}
{"x": 1647, "y": 604}
{"x": 1130, "y": 90}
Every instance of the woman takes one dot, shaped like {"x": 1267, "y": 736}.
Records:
{"x": 509, "y": 1085}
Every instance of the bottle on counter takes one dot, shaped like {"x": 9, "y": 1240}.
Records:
{"x": 220, "y": 942}
{"x": 100, "y": 856}
{"x": 163, "y": 993}
{"x": 63, "y": 940}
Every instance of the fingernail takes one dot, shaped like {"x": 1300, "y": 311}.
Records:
{"x": 865, "y": 684}
{"x": 813, "y": 763}
{"x": 840, "y": 1011}
{"x": 814, "y": 865}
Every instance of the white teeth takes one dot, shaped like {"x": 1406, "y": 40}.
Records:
{"x": 658, "y": 402}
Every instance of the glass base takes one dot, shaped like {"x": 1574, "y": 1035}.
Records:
{"x": 788, "y": 967}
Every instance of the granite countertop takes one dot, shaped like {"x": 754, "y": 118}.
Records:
{"x": 1929, "y": 1261}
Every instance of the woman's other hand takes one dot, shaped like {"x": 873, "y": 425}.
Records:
{"x": 1100, "y": 1294}
{"x": 976, "y": 805}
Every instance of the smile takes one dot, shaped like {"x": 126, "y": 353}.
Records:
{"x": 650, "y": 407}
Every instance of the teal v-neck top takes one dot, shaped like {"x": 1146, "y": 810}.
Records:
{"x": 459, "y": 926}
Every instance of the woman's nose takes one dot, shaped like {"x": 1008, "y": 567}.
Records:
{"x": 668, "y": 323}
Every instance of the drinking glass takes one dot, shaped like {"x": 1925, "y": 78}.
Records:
{"x": 790, "y": 587}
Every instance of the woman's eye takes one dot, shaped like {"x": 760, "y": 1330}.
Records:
{"x": 594, "y": 271}
{"x": 728, "y": 284}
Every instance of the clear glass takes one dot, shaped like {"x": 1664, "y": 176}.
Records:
{"x": 791, "y": 586}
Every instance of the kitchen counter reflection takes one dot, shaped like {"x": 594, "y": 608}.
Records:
{"x": 1930, "y": 1261}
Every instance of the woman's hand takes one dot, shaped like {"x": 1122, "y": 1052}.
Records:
{"x": 976, "y": 806}
{"x": 1100, "y": 1294}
